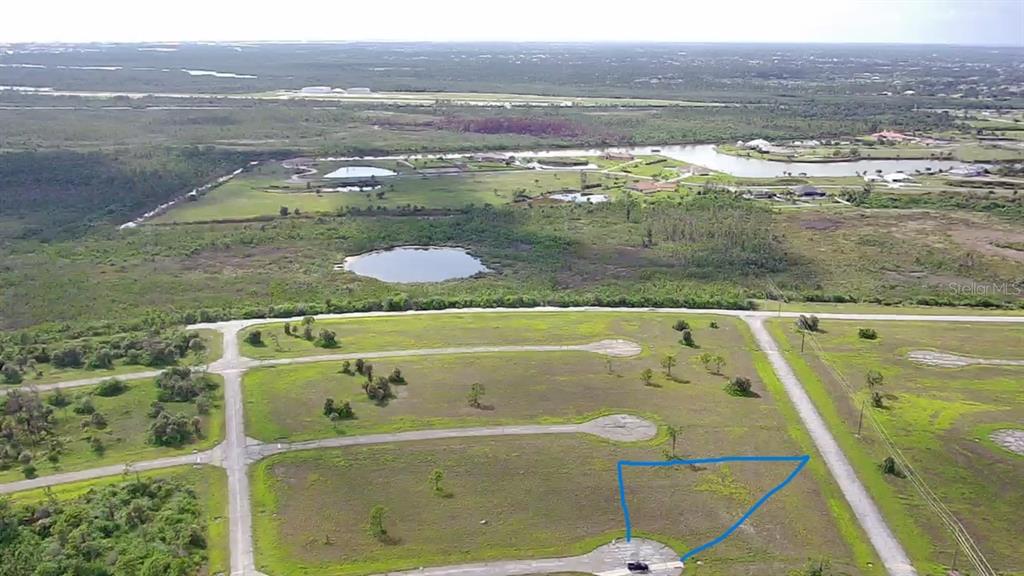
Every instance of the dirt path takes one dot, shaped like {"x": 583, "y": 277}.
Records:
{"x": 948, "y": 360}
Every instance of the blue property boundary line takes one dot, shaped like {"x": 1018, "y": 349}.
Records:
{"x": 803, "y": 460}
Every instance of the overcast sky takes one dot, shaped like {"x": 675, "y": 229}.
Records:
{"x": 987, "y": 22}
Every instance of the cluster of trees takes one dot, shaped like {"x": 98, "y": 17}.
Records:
{"x": 531, "y": 125}
{"x": 324, "y": 339}
{"x": 27, "y": 353}
{"x": 377, "y": 388}
{"x": 145, "y": 527}
{"x": 27, "y": 428}
{"x": 176, "y": 385}
{"x": 338, "y": 411}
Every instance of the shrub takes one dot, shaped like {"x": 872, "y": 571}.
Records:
{"x": 180, "y": 384}
{"x": 58, "y": 399}
{"x": 876, "y": 400}
{"x": 254, "y": 338}
{"x": 203, "y": 404}
{"x": 396, "y": 376}
{"x": 109, "y": 388}
{"x": 167, "y": 430}
{"x": 713, "y": 324}
{"x": 378, "y": 390}
{"x": 11, "y": 374}
{"x": 101, "y": 359}
{"x": 97, "y": 420}
{"x": 346, "y": 367}
{"x": 681, "y": 325}
{"x": 809, "y": 323}
{"x": 740, "y": 386}
{"x": 70, "y": 357}
{"x": 84, "y": 406}
{"x": 327, "y": 339}
{"x": 360, "y": 365}
{"x": 688, "y": 339}
{"x": 867, "y": 333}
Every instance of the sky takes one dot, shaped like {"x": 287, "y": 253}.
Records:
{"x": 971, "y": 22}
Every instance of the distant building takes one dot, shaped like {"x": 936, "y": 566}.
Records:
{"x": 897, "y": 177}
{"x": 968, "y": 171}
{"x": 872, "y": 178}
{"x": 648, "y": 186}
{"x": 359, "y": 90}
{"x": 893, "y": 136}
{"x": 757, "y": 144}
{"x": 316, "y": 90}
{"x": 618, "y": 156}
{"x": 808, "y": 191}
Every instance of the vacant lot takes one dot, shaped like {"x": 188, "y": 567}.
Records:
{"x": 209, "y": 483}
{"x": 941, "y": 419}
{"x": 124, "y": 438}
{"x": 525, "y": 497}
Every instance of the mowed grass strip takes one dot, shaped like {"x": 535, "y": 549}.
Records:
{"x": 125, "y": 437}
{"x": 285, "y": 402}
{"x": 209, "y": 483}
{"x": 528, "y": 497}
{"x": 653, "y": 331}
{"x": 939, "y": 418}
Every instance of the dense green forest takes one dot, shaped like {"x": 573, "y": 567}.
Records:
{"x": 143, "y": 527}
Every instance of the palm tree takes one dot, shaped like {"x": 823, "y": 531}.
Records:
{"x": 673, "y": 435}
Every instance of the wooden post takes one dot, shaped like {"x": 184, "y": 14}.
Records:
{"x": 860, "y": 422}
{"x": 803, "y": 334}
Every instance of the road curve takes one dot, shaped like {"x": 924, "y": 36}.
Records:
{"x": 607, "y": 560}
{"x": 889, "y": 550}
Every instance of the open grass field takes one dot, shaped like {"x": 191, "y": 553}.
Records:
{"x": 254, "y": 196}
{"x": 124, "y": 437}
{"x": 940, "y": 419}
{"x": 49, "y": 373}
{"x": 209, "y": 483}
{"x": 537, "y": 388}
{"x": 540, "y": 497}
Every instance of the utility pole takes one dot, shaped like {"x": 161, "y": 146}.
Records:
{"x": 860, "y": 423}
{"x": 803, "y": 335}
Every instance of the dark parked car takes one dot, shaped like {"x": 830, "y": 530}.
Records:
{"x": 640, "y": 567}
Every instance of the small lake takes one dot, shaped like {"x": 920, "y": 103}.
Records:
{"x": 408, "y": 264}
{"x": 360, "y": 172}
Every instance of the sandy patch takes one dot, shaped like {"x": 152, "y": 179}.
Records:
{"x": 1012, "y": 440}
{"x": 947, "y": 360}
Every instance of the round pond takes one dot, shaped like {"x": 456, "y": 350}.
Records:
{"x": 407, "y": 264}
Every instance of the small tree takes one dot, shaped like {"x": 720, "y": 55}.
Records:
{"x": 329, "y": 407}
{"x": 327, "y": 339}
{"x": 307, "y": 333}
{"x": 375, "y": 527}
{"x": 344, "y": 410}
{"x": 647, "y": 377}
{"x": 681, "y": 325}
{"x": 712, "y": 362}
{"x": 436, "y": 477}
{"x": 668, "y": 362}
{"x": 58, "y": 399}
{"x": 874, "y": 378}
{"x": 287, "y": 329}
{"x": 673, "y": 435}
{"x": 877, "y": 400}
{"x": 110, "y": 387}
{"x": 360, "y": 364}
{"x": 396, "y": 376}
{"x": 368, "y": 371}
{"x": 346, "y": 367}
{"x": 11, "y": 374}
{"x": 809, "y": 323}
{"x": 476, "y": 393}
{"x": 713, "y": 324}
{"x": 254, "y": 338}
{"x": 283, "y": 211}
{"x": 688, "y": 339}
{"x": 889, "y": 467}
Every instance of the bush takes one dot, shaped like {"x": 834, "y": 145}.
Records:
{"x": 11, "y": 374}
{"x": 180, "y": 384}
{"x": 713, "y": 324}
{"x": 97, "y": 420}
{"x": 396, "y": 376}
{"x": 327, "y": 339}
{"x": 70, "y": 357}
{"x": 101, "y": 359}
{"x": 109, "y": 388}
{"x": 740, "y": 386}
{"x": 809, "y": 323}
{"x": 58, "y": 399}
{"x": 167, "y": 430}
{"x": 254, "y": 338}
{"x": 84, "y": 406}
{"x": 688, "y": 339}
{"x": 681, "y": 325}
{"x": 346, "y": 367}
{"x": 867, "y": 333}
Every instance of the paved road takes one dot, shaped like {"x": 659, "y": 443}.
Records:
{"x": 620, "y": 427}
{"x": 886, "y": 545}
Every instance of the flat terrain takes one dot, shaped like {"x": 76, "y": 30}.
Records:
{"x": 124, "y": 437}
{"x": 207, "y": 481}
{"x": 536, "y": 515}
{"x": 941, "y": 419}
{"x": 258, "y": 195}
{"x": 310, "y": 507}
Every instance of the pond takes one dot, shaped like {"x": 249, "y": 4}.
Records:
{"x": 360, "y": 172}
{"x": 408, "y": 264}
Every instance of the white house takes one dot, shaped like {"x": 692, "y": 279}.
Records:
{"x": 897, "y": 177}
{"x": 757, "y": 144}
{"x": 316, "y": 90}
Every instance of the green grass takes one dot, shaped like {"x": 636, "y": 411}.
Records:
{"x": 939, "y": 418}
{"x": 250, "y": 197}
{"x": 125, "y": 436}
{"x": 310, "y": 508}
{"x": 495, "y": 329}
{"x": 209, "y": 482}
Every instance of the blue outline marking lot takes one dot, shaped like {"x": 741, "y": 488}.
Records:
{"x": 803, "y": 460}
